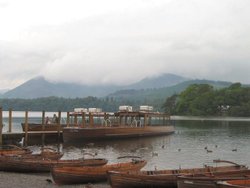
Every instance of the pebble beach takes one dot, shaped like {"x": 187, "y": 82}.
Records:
{"x": 43, "y": 180}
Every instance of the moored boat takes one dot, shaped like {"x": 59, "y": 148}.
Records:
{"x": 74, "y": 175}
{"x": 38, "y": 164}
{"x": 243, "y": 183}
{"x": 161, "y": 178}
{"x": 210, "y": 180}
{"x": 13, "y": 150}
{"x": 46, "y": 153}
{"x": 122, "y": 124}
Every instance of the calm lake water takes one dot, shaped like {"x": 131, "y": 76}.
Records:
{"x": 227, "y": 139}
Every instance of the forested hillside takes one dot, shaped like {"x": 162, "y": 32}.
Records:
{"x": 205, "y": 100}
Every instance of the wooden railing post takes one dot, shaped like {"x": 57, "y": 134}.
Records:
{"x": 43, "y": 127}
{"x": 59, "y": 125}
{"x": 83, "y": 119}
{"x": 26, "y": 129}
{"x": 67, "y": 119}
{"x": 1, "y": 126}
{"x": 10, "y": 120}
{"x": 75, "y": 119}
{"x": 145, "y": 119}
{"x": 91, "y": 119}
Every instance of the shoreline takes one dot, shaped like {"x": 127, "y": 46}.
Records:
{"x": 38, "y": 180}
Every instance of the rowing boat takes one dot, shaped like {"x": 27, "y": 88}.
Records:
{"x": 13, "y": 150}
{"x": 74, "y": 175}
{"x": 211, "y": 180}
{"x": 161, "y": 178}
{"x": 244, "y": 183}
{"x": 37, "y": 164}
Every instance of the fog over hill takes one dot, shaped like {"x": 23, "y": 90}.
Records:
{"x": 40, "y": 87}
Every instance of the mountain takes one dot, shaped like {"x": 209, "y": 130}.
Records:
{"x": 161, "y": 81}
{"x": 39, "y": 87}
{"x": 160, "y": 94}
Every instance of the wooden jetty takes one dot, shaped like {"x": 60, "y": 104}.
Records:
{"x": 29, "y": 136}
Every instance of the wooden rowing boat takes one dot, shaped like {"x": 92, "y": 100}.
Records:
{"x": 13, "y": 150}
{"x": 244, "y": 183}
{"x": 210, "y": 180}
{"x": 46, "y": 153}
{"x": 74, "y": 175}
{"x": 161, "y": 178}
{"x": 38, "y": 164}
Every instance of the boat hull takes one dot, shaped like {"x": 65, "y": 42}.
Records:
{"x": 23, "y": 164}
{"x": 76, "y": 175}
{"x": 13, "y": 150}
{"x": 163, "y": 178}
{"x": 210, "y": 181}
{"x": 245, "y": 183}
{"x": 75, "y": 134}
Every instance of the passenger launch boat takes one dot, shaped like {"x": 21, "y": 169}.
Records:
{"x": 97, "y": 125}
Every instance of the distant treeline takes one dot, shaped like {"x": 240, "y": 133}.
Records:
{"x": 108, "y": 104}
{"x": 204, "y": 100}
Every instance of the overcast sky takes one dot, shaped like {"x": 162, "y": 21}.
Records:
{"x": 123, "y": 41}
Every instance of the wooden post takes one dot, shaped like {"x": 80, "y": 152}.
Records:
{"x": 1, "y": 125}
{"x": 59, "y": 125}
{"x": 91, "y": 119}
{"x": 10, "y": 120}
{"x": 145, "y": 120}
{"x": 43, "y": 127}
{"x": 120, "y": 119}
{"x": 67, "y": 119}
{"x": 83, "y": 119}
{"x": 75, "y": 119}
{"x": 26, "y": 129}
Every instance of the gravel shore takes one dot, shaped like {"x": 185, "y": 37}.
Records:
{"x": 20, "y": 180}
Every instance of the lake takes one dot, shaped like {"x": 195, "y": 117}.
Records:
{"x": 225, "y": 138}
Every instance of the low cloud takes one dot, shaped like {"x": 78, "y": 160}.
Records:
{"x": 197, "y": 39}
